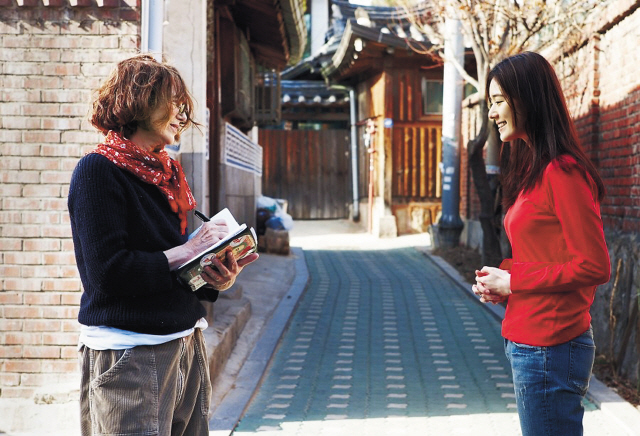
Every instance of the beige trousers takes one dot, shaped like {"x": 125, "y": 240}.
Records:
{"x": 154, "y": 390}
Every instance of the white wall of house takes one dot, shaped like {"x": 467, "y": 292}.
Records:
{"x": 320, "y": 23}
{"x": 184, "y": 46}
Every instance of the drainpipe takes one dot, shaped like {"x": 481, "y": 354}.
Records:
{"x": 152, "y": 25}
{"x": 353, "y": 118}
{"x": 450, "y": 225}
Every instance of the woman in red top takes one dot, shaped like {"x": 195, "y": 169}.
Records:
{"x": 552, "y": 194}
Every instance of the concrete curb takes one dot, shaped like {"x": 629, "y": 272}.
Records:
{"x": 231, "y": 317}
{"x": 228, "y": 413}
{"x": 600, "y": 394}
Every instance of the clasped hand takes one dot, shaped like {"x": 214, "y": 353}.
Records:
{"x": 493, "y": 285}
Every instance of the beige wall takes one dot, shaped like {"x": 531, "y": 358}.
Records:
{"x": 184, "y": 46}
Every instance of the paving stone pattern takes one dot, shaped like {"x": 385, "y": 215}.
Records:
{"x": 383, "y": 343}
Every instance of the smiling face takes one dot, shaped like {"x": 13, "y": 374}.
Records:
{"x": 504, "y": 115}
{"x": 159, "y": 131}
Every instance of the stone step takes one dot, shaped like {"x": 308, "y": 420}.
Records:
{"x": 230, "y": 314}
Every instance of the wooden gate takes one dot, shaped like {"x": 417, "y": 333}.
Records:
{"x": 308, "y": 168}
{"x": 417, "y": 149}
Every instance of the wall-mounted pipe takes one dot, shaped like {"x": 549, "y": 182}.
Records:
{"x": 353, "y": 119}
{"x": 152, "y": 27}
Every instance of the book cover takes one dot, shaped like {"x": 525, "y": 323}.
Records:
{"x": 241, "y": 239}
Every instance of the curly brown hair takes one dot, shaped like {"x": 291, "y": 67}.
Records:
{"x": 136, "y": 88}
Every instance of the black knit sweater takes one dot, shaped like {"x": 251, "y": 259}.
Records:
{"x": 121, "y": 226}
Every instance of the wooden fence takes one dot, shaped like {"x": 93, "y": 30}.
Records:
{"x": 310, "y": 169}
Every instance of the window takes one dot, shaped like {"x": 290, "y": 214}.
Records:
{"x": 431, "y": 97}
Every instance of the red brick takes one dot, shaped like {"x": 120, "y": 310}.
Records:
{"x": 41, "y": 352}
{"x": 10, "y": 298}
{"x": 42, "y": 136}
{"x": 10, "y": 190}
{"x": 7, "y": 325}
{"x": 42, "y": 298}
{"x": 39, "y": 163}
{"x": 130, "y": 42}
{"x": 16, "y": 82}
{"x": 42, "y": 325}
{"x": 18, "y": 392}
{"x": 20, "y": 122}
{"x": 41, "y": 217}
{"x": 76, "y": 136}
{"x": 23, "y": 68}
{"x": 62, "y": 284}
{"x": 48, "y": 378}
{"x": 39, "y": 82}
{"x": 69, "y": 352}
{"x": 56, "y": 232}
{"x": 60, "y": 312}
{"x": 66, "y": 244}
{"x": 19, "y": 149}
{"x": 67, "y": 96}
{"x": 61, "y": 69}
{"x": 9, "y": 379}
{"x": 81, "y": 55}
{"x": 22, "y": 284}
{"x": 71, "y": 298}
{"x": 42, "y": 191}
{"x": 61, "y": 177}
{"x": 10, "y": 352}
{"x": 41, "y": 109}
{"x": 22, "y": 312}
{"x": 23, "y": 258}
{"x": 54, "y": 204}
{"x": 64, "y": 366}
{"x": 11, "y": 163}
{"x": 61, "y": 123}
{"x": 60, "y": 150}
{"x": 59, "y": 258}
{"x": 22, "y": 338}
{"x": 60, "y": 338}
{"x": 11, "y": 108}
{"x": 99, "y": 42}
{"x": 20, "y": 177}
{"x": 70, "y": 325}
{"x": 10, "y": 135}
{"x": 42, "y": 245}
{"x": 25, "y": 95}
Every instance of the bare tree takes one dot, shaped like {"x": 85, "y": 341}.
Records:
{"x": 494, "y": 30}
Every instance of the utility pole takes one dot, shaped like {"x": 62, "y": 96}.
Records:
{"x": 450, "y": 225}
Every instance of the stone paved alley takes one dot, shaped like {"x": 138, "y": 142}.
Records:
{"x": 385, "y": 343}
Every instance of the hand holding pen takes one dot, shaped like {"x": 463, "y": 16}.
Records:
{"x": 223, "y": 274}
{"x": 208, "y": 234}
{"x": 211, "y": 231}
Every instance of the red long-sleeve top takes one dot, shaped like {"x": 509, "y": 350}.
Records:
{"x": 559, "y": 257}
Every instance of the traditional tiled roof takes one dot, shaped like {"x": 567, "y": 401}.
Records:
{"x": 73, "y": 3}
{"x": 313, "y": 93}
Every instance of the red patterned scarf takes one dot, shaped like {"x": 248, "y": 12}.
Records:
{"x": 154, "y": 168}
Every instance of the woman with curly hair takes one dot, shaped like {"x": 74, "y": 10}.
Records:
{"x": 142, "y": 352}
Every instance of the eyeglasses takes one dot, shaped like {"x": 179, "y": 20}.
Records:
{"x": 182, "y": 108}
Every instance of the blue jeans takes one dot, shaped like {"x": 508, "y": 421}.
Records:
{"x": 550, "y": 383}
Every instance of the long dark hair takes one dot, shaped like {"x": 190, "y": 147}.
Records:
{"x": 530, "y": 81}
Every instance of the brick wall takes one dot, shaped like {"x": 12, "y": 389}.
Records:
{"x": 51, "y": 59}
{"x": 602, "y": 87}
{"x": 618, "y": 150}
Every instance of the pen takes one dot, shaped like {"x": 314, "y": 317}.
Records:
{"x": 202, "y": 216}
